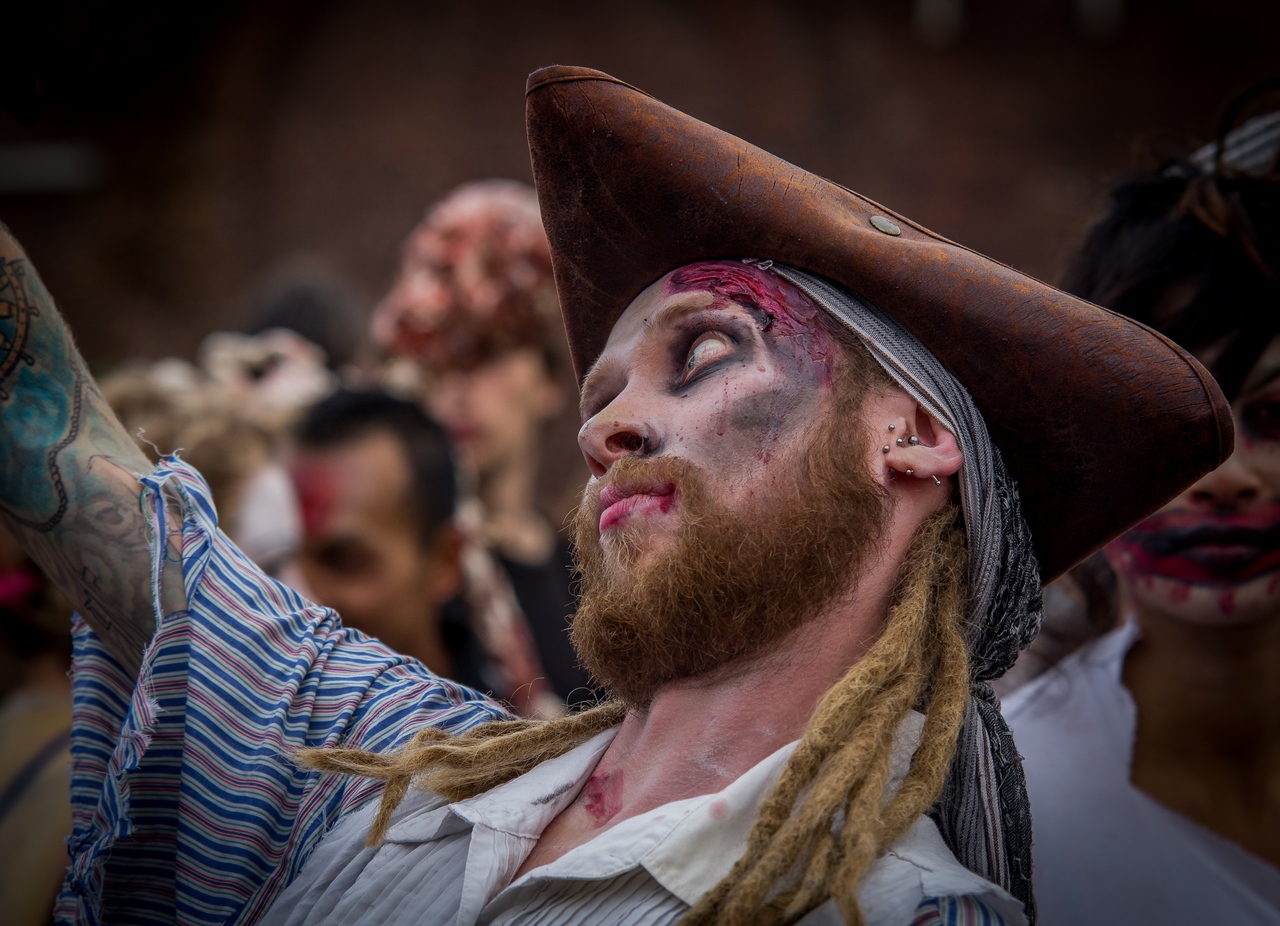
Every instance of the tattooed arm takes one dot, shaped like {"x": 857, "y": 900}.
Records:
{"x": 68, "y": 486}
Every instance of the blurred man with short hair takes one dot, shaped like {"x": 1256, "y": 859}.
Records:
{"x": 376, "y": 487}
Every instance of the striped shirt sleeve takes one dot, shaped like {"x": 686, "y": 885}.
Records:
{"x": 187, "y": 806}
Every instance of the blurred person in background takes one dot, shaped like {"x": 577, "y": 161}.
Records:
{"x": 35, "y": 738}
{"x": 475, "y": 306}
{"x": 171, "y": 405}
{"x": 1153, "y": 754}
{"x": 375, "y": 479}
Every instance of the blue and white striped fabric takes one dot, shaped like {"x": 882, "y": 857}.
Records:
{"x": 187, "y": 806}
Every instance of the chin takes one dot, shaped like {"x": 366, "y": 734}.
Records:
{"x": 1218, "y": 605}
{"x": 631, "y": 550}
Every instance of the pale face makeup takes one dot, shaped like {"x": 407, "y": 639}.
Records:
{"x": 729, "y": 387}
{"x": 1212, "y": 555}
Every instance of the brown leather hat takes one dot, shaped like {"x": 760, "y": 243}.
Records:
{"x": 1100, "y": 419}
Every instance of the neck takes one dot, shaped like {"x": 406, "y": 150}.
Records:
{"x": 698, "y": 736}
{"x": 513, "y": 522}
{"x": 1215, "y": 689}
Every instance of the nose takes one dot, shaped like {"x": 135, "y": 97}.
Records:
{"x": 614, "y": 432}
{"x": 1233, "y": 485}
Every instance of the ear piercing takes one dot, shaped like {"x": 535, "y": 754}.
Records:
{"x": 937, "y": 481}
{"x": 911, "y": 472}
{"x": 901, "y": 442}
{"x": 884, "y": 449}
{"x": 892, "y": 427}
{"x": 913, "y": 440}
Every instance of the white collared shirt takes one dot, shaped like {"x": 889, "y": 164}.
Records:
{"x": 445, "y": 863}
{"x": 1142, "y": 862}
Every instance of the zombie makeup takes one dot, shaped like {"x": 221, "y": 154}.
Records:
{"x": 720, "y": 363}
{"x": 1215, "y": 551}
{"x": 318, "y": 488}
{"x": 729, "y": 503}
{"x": 1194, "y": 549}
{"x": 779, "y": 308}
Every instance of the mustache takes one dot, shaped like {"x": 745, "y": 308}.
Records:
{"x": 1172, "y": 541}
{"x": 633, "y": 475}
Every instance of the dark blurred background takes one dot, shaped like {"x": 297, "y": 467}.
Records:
{"x": 177, "y": 152}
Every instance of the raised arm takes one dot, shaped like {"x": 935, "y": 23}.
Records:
{"x": 68, "y": 471}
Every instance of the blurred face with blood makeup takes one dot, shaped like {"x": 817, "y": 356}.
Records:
{"x": 474, "y": 305}
{"x": 1212, "y": 556}
{"x": 375, "y": 486}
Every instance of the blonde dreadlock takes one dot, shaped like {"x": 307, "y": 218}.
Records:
{"x": 461, "y": 766}
{"x": 827, "y": 819}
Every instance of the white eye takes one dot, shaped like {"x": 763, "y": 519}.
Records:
{"x": 707, "y": 348}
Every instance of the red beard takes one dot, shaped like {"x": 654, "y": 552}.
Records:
{"x": 734, "y": 583}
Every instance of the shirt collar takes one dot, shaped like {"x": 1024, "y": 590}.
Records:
{"x": 686, "y": 846}
{"x": 522, "y": 807}
{"x": 525, "y": 806}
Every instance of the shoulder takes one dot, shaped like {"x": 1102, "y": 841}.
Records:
{"x": 918, "y": 869}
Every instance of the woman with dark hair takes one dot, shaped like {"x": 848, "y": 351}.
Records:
{"x": 1153, "y": 754}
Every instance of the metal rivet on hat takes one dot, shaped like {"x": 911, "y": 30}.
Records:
{"x": 880, "y": 223}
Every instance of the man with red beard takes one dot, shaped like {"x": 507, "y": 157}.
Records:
{"x": 824, "y": 494}
{"x": 1153, "y": 754}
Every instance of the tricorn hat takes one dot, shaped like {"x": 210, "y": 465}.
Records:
{"x": 1099, "y": 419}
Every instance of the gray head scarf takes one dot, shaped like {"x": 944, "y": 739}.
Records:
{"x": 983, "y": 815}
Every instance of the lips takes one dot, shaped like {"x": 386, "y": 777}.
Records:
{"x": 619, "y": 502}
{"x": 1225, "y": 551}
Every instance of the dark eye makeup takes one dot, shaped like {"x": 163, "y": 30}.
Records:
{"x": 1261, "y": 417}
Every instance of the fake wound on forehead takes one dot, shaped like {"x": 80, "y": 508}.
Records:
{"x": 750, "y": 285}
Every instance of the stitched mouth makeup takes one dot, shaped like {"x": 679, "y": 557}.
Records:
{"x": 1228, "y": 550}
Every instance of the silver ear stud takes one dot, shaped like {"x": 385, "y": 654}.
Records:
{"x": 901, "y": 442}
{"x": 913, "y": 440}
{"x": 911, "y": 472}
{"x": 937, "y": 481}
{"x": 892, "y": 427}
{"x": 884, "y": 449}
